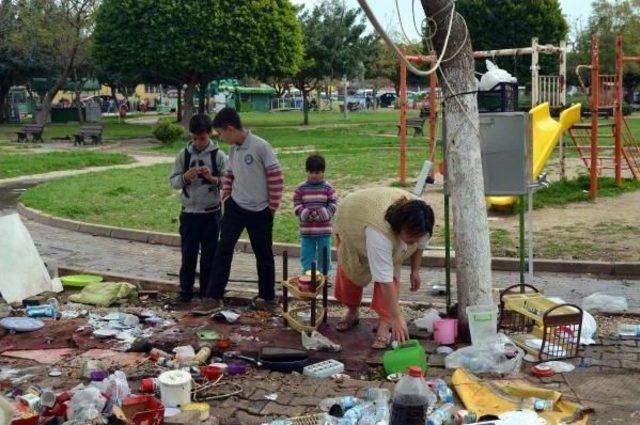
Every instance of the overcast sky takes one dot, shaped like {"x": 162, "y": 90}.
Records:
{"x": 385, "y": 10}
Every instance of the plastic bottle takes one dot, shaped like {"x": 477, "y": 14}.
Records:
{"x": 462, "y": 417}
{"x": 410, "y": 399}
{"x": 445, "y": 395}
{"x": 441, "y": 415}
{"x": 380, "y": 415}
{"x": 337, "y": 406}
{"x": 537, "y": 404}
{"x": 359, "y": 413}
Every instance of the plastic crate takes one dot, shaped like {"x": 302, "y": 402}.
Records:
{"x": 323, "y": 369}
{"x": 503, "y": 97}
{"x": 143, "y": 410}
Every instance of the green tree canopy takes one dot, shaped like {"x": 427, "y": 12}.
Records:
{"x": 195, "y": 41}
{"x": 503, "y": 24}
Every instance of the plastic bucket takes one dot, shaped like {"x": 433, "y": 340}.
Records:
{"x": 483, "y": 323}
{"x": 445, "y": 331}
{"x": 175, "y": 388}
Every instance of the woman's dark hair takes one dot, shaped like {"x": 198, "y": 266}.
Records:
{"x": 414, "y": 216}
{"x": 200, "y": 123}
{"x": 227, "y": 117}
{"x": 315, "y": 163}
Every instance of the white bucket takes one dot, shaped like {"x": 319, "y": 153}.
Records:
{"x": 483, "y": 323}
{"x": 175, "y": 388}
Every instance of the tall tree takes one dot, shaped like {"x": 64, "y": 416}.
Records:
{"x": 59, "y": 30}
{"x": 192, "y": 42}
{"x": 334, "y": 46}
{"x": 464, "y": 166}
{"x": 608, "y": 20}
{"x": 501, "y": 24}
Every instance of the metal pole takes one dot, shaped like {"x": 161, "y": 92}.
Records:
{"x": 595, "y": 103}
{"x": 535, "y": 88}
{"x": 433, "y": 80}
{"x": 403, "y": 122}
{"x": 345, "y": 83}
{"x": 563, "y": 157}
{"x": 617, "y": 113}
{"x": 522, "y": 239}
{"x": 530, "y": 231}
{"x": 447, "y": 251}
{"x": 563, "y": 73}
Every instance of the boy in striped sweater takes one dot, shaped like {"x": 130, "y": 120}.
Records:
{"x": 314, "y": 202}
{"x": 252, "y": 188}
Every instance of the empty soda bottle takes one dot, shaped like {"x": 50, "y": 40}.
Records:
{"x": 441, "y": 415}
{"x": 337, "y": 406}
{"x": 445, "y": 395}
{"x": 537, "y": 404}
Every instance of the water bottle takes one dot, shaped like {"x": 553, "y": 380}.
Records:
{"x": 410, "y": 399}
{"x": 441, "y": 415}
{"x": 629, "y": 330}
{"x": 379, "y": 416}
{"x": 378, "y": 395}
{"x": 537, "y": 404}
{"x": 445, "y": 395}
{"x": 362, "y": 413}
{"x": 337, "y": 406}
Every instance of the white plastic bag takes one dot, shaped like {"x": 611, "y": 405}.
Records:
{"x": 426, "y": 321}
{"x": 605, "y": 303}
{"x": 500, "y": 356}
{"x": 318, "y": 342}
{"x": 495, "y": 75}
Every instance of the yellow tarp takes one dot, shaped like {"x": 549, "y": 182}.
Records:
{"x": 499, "y": 396}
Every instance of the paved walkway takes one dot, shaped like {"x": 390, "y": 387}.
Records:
{"x": 80, "y": 250}
{"x": 140, "y": 161}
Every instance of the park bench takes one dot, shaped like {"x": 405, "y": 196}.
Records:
{"x": 35, "y": 130}
{"x": 92, "y": 131}
{"x": 417, "y": 124}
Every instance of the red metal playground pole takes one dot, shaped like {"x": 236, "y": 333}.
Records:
{"x": 617, "y": 111}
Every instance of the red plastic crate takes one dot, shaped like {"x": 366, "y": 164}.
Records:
{"x": 143, "y": 410}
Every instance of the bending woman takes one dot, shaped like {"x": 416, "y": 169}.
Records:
{"x": 376, "y": 230}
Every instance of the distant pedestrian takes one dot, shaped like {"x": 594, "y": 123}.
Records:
{"x": 251, "y": 191}
{"x": 197, "y": 172}
{"x": 314, "y": 203}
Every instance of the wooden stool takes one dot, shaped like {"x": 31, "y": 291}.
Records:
{"x": 293, "y": 317}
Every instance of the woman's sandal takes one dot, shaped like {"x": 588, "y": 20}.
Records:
{"x": 346, "y": 324}
{"x": 381, "y": 342}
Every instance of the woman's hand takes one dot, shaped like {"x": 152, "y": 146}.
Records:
{"x": 399, "y": 330}
{"x": 415, "y": 281}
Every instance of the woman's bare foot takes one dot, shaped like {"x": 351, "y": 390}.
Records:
{"x": 349, "y": 321}
{"x": 383, "y": 336}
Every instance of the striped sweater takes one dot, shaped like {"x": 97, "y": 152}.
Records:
{"x": 315, "y": 204}
{"x": 275, "y": 185}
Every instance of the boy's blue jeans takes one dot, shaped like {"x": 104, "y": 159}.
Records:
{"x": 311, "y": 249}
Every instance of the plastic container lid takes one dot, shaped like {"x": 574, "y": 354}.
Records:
{"x": 415, "y": 371}
{"x": 174, "y": 377}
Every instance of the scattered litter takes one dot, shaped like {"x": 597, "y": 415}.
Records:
{"x": 73, "y": 314}
{"x": 500, "y": 355}
{"x": 318, "y": 342}
{"x": 530, "y": 358}
{"x": 394, "y": 377}
{"x": 399, "y": 359}
{"x": 103, "y": 294}
{"x": 558, "y": 366}
{"x": 520, "y": 417}
{"x": 549, "y": 348}
{"x": 443, "y": 349}
{"x": 226, "y": 316}
{"x": 19, "y": 375}
{"x": 54, "y": 373}
{"x": 323, "y": 369}
{"x": 629, "y": 330}
{"x": 21, "y": 324}
{"x": 80, "y": 280}
{"x": 426, "y": 321}
{"x": 605, "y": 303}
{"x": 495, "y": 75}
{"x": 86, "y": 406}
{"x": 542, "y": 371}
{"x": 272, "y": 396}
{"x": 207, "y": 335}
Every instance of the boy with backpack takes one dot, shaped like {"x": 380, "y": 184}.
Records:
{"x": 197, "y": 172}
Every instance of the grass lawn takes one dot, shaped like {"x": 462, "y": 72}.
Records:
{"x": 577, "y": 190}
{"x": 151, "y": 204}
{"x": 112, "y": 130}
{"x": 21, "y": 164}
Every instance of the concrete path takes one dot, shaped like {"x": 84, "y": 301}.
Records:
{"x": 72, "y": 249}
{"x": 140, "y": 161}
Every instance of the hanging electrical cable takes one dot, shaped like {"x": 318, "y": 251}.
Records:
{"x": 374, "y": 21}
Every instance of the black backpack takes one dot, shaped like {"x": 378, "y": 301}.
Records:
{"x": 187, "y": 159}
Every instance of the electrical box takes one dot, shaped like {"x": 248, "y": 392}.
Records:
{"x": 506, "y": 152}
{"x": 505, "y": 143}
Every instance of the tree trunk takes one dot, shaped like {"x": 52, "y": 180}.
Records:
{"x": 464, "y": 165}
{"x": 305, "y": 106}
{"x": 179, "y": 104}
{"x": 4, "y": 91}
{"x": 187, "y": 110}
{"x": 114, "y": 91}
{"x": 77, "y": 92}
{"x": 201, "y": 103}
{"x": 45, "y": 106}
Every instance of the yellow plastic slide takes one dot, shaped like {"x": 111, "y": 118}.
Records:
{"x": 546, "y": 134}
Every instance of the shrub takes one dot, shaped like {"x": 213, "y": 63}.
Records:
{"x": 168, "y": 132}
{"x": 627, "y": 109}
